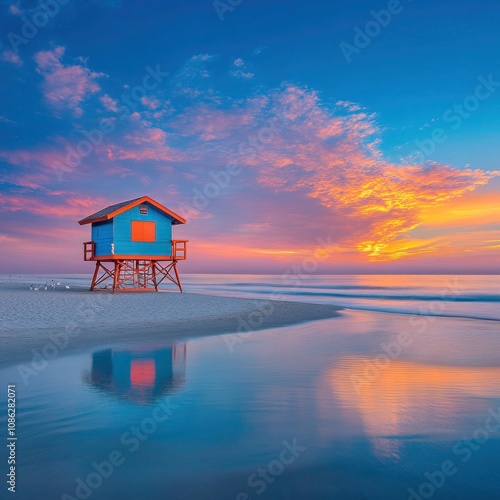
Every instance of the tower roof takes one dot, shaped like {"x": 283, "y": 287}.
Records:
{"x": 113, "y": 210}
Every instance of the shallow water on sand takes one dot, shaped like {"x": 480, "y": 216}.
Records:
{"x": 367, "y": 405}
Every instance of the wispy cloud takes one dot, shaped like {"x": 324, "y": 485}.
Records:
{"x": 15, "y": 9}
{"x": 4, "y": 119}
{"x": 66, "y": 86}
{"x": 192, "y": 80}
{"x": 109, "y": 103}
{"x": 35, "y": 165}
{"x": 144, "y": 143}
{"x": 241, "y": 70}
{"x": 151, "y": 102}
{"x": 58, "y": 204}
{"x": 210, "y": 123}
{"x": 333, "y": 156}
{"x": 307, "y": 167}
{"x": 11, "y": 57}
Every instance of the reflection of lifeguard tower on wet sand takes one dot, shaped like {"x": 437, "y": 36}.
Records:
{"x": 132, "y": 245}
{"x": 139, "y": 375}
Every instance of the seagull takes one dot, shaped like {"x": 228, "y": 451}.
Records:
{"x": 58, "y": 283}
{"x": 36, "y": 288}
{"x": 67, "y": 286}
{"x": 31, "y": 287}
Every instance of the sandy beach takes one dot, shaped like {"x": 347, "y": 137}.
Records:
{"x": 75, "y": 319}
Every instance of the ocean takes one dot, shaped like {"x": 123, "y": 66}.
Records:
{"x": 465, "y": 296}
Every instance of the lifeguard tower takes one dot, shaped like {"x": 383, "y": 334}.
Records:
{"x": 132, "y": 246}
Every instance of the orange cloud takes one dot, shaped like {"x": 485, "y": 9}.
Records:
{"x": 336, "y": 159}
{"x": 472, "y": 210}
{"x": 307, "y": 170}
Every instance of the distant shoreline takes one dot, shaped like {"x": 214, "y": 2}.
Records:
{"x": 63, "y": 321}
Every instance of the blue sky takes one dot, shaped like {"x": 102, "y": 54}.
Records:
{"x": 222, "y": 73}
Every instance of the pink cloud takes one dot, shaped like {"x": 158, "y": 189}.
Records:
{"x": 213, "y": 124}
{"x": 31, "y": 158}
{"x": 144, "y": 143}
{"x": 241, "y": 72}
{"x": 15, "y": 10}
{"x": 38, "y": 166}
{"x": 65, "y": 86}
{"x": 307, "y": 169}
{"x": 335, "y": 159}
{"x": 43, "y": 165}
{"x": 151, "y": 102}
{"x": 51, "y": 204}
{"x": 12, "y": 57}
{"x": 109, "y": 103}
{"x": 288, "y": 142}
{"x": 123, "y": 172}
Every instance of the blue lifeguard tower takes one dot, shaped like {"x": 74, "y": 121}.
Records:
{"x": 132, "y": 245}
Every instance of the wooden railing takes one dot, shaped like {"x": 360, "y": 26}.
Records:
{"x": 179, "y": 249}
{"x": 88, "y": 250}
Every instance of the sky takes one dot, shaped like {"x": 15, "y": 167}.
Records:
{"x": 338, "y": 137}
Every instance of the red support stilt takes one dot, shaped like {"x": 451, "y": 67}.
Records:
{"x": 135, "y": 275}
{"x": 177, "y": 276}
{"x": 153, "y": 269}
{"x": 116, "y": 274}
{"x": 95, "y": 276}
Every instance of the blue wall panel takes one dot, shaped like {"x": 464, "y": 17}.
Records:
{"x": 102, "y": 236}
{"x": 122, "y": 232}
